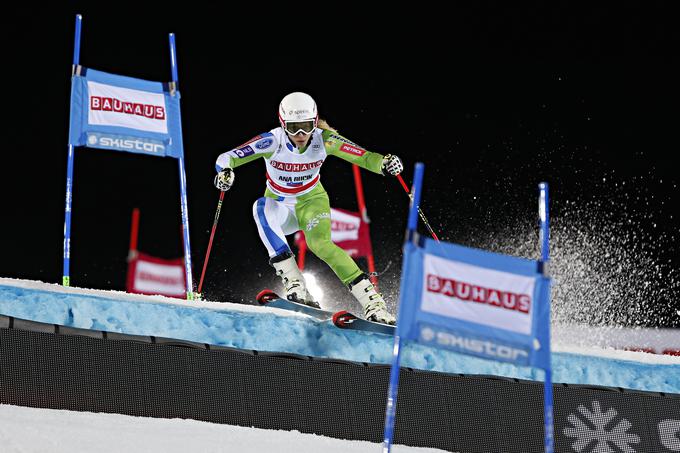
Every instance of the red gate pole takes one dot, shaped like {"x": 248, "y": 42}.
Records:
{"x": 358, "y": 185}
{"x": 134, "y": 234}
{"x": 302, "y": 250}
{"x": 132, "y": 251}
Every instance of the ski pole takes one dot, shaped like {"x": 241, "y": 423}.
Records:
{"x": 422, "y": 216}
{"x": 212, "y": 235}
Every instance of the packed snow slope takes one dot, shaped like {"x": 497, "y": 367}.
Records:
{"x": 271, "y": 329}
{"x": 29, "y": 430}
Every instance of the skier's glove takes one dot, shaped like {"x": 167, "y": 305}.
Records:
{"x": 225, "y": 179}
{"x": 391, "y": 165}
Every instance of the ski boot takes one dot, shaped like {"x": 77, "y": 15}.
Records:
{"x": 373, "y": 303}
{"x": 293, "y": 281}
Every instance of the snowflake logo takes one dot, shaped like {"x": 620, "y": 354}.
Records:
{"x": 314, "y": 221}
{"x": 585, "y": 434}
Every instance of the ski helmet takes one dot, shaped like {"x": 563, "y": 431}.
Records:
{"x": 297, "y": 113}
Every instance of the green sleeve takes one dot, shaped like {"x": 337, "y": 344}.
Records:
{"x": 339, "y": 146}
{"x": 237, "y": 162}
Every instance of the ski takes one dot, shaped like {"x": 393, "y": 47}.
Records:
{"x": 271, "y": 299}
{"x": 342, "y": 319}
{"x": 346, "y": 320}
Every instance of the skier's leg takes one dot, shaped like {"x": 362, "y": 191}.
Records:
{"x": 314, "y": 217}
{"x": 315, "y": 221}
{"x": 274, "y": 219}
{"x": 270, "y": 216}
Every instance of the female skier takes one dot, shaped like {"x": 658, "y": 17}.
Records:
{"x": 295, "y": 199}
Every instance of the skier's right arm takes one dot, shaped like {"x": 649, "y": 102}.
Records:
{"x": 262, "y": 145}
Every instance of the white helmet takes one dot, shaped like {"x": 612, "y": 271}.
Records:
{"x": 297, "y": 113}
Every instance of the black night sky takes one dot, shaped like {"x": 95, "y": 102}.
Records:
{"x": 493, "y": 98}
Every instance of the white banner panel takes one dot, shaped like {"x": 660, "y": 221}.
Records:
{"x": 156, "y": 278}
{"x": 124, "y": 107}
{"x": 475, "y": 294}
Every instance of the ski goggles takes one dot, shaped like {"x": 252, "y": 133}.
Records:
{"x": 295, "y": 127}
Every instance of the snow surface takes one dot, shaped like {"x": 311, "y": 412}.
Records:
{"x": 271, "y": 329}
{"x": 29, "y": 430}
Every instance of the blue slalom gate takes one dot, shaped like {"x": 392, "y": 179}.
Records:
{"x": 474, "y": 302}
{"x": 119, "y": 113}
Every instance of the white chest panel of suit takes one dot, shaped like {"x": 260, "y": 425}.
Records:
{"x": 290, "y": 173}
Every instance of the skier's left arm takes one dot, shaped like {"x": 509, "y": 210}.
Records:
{"x": 339, "y": 146}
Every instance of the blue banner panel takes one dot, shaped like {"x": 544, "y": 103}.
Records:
{"x": 121, "y": 113}
{"x": 475, "y": 302}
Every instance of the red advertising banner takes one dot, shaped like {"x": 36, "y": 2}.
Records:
{"x": 151, "y": 275}
{"x": 348, "y": 231}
